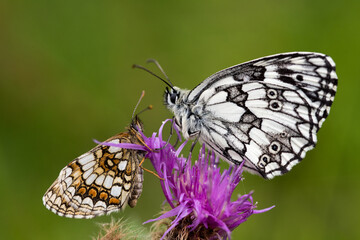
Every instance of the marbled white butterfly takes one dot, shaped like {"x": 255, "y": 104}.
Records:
{"x": 266, "y": 111}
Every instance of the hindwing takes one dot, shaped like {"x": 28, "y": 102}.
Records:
{"x": 100, "y": 181}
{"x": 266, "y": 111}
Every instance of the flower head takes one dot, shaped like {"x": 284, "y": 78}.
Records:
{"x": 199, "y": 194}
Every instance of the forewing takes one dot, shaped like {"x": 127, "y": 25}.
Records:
{"x": 98, "y": 182}
{"x": 267, "y": 111}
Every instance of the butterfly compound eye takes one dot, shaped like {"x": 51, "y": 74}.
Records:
{"x": 173, "y": 97}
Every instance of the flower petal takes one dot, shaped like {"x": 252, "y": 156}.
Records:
{"x": 123, "y": 145}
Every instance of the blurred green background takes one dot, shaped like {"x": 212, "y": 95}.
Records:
{"x": 66, "y": 78}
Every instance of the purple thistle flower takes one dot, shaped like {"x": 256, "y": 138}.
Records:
{"x": 199, "y": 194}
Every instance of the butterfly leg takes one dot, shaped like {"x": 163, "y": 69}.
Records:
{"x": 140, "y": 139}
{"x": 192, "y": 148}
{"x": 193, "y": 144}
{"x": 172, "y": 133}
{"x": 149, "y": 171}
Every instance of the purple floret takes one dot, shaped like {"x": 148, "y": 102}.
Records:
{"x": 199, "y": 192}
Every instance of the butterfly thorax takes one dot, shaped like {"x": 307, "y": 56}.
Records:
{"x": 188, "y": 115}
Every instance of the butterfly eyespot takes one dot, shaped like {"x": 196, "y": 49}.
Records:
{"x": 261, "y": 165}
{"x": 264, "y": 159}
{"x": 283, "y": 134}
{"x": 81, "y": 191}
{"x": 92, "y": 192}
{"x": 275, "y": 105}
{"x": 272, "y": 94}
{"x": 274, "y": 147}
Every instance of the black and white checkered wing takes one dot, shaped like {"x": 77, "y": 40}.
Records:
{"x": 266, "y": 111}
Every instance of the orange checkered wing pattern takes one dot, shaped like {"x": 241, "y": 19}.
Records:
{"x": 100, "y": 181}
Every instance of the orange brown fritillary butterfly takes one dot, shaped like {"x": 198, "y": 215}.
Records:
{"x": 100, "y": 181}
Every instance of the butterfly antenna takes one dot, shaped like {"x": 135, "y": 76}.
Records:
{"x": 161, "y": 69}
{"x": 147, "y": 70}
{"x": 137, "y": 104}
{"x": 145, "y": 109}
